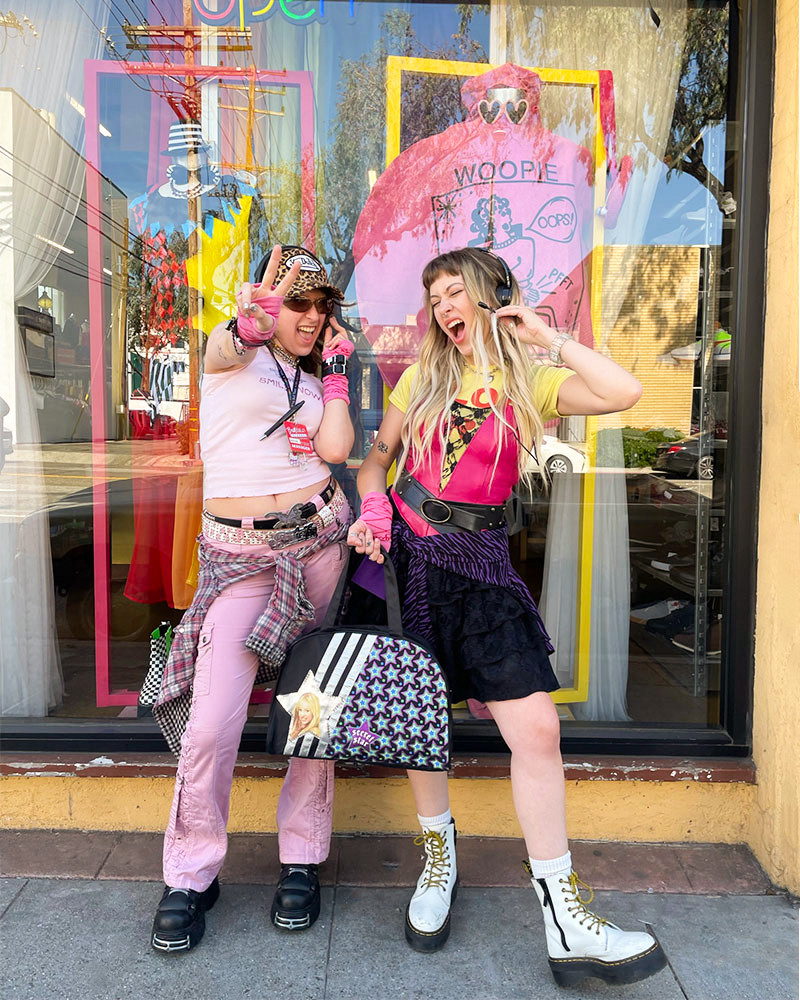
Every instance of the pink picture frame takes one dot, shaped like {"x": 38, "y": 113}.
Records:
{"x": 94, "y": 70}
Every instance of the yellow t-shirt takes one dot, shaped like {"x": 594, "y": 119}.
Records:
{"x": 546, "y": 383}
{"x": 472, "y": 407}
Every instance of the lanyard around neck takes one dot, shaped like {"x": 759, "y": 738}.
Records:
{"x": 291, "y": 390}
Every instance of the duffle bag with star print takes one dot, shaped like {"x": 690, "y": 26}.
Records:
{"x": 362, "y": 693}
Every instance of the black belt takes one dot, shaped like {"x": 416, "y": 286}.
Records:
{"x": 444, "y": 515}
{"x": 281, "y": 519}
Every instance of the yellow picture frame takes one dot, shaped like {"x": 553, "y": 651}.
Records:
{"x": 395, "y": 67}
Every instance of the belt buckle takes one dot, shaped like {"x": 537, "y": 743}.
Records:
{"x": 289, "y": 519}
{"x": 430, "y": 517}
{"x": 327, "y": 516}
{"x": 282, "y": 539}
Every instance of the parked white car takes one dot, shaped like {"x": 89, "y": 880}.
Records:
{"x": 558, "y": 457}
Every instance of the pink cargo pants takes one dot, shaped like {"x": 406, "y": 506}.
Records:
{"x": 196, "y": 839}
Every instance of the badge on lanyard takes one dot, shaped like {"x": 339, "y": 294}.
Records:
{"x": 299, "y": 443}
{"x": 300, "y": 446}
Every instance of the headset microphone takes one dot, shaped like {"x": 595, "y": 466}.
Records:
{"x": 504, "y": 288}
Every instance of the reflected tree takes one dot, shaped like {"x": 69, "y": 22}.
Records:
{"x": 356, "y": 156}
{"x": 702, "y": 99}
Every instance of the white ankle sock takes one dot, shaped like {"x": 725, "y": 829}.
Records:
{"x": 555, "y": 866}
{"x": 437, "y": 823}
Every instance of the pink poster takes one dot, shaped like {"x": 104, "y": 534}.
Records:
{"x": 498, "y": 180}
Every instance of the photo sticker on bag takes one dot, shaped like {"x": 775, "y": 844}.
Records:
{"x": 309, "y": 709}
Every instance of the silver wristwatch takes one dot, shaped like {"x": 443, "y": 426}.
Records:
{"x": 555, "y": 348}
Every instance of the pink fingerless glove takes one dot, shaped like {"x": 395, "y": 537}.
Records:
{"x": 376, "y": 513}
{"x": 344, "y": 346}
{"x": 247, "y": 325}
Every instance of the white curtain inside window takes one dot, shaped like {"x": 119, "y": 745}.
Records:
{"x": 42, "y": 177}
{"x": 645, "y": 59}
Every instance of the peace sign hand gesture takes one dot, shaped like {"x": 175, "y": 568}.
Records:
{"x": 260, "y": 303}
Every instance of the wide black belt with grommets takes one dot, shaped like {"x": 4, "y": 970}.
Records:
{"x": 445, "y": 515}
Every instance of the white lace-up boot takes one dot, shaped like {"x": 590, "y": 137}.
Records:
{"x": 428, "y": 913}
{"x": 580, "y": 944}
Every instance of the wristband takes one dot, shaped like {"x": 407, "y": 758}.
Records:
{"x": 239, "y": 345}
{"x": 555, "y": 347}
{"x": 376, "y": 513}
{"x": 335, "y": 387}
{"x": 335, "y": 364}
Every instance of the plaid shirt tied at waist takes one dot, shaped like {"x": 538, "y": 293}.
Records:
{"x": 283, "y": 620}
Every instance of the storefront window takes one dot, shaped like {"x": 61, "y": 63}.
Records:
{"x": 147, "y": 166}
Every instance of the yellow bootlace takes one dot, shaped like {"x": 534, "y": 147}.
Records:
{"x": 573, "y": 894}
{"x": 437, "y": 867}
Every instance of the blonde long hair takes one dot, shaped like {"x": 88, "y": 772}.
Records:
{"x": 310, "y": 703}
{"x": 441, "y": 366}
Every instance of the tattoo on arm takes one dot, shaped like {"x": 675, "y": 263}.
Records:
{"x": 383, "y": 448}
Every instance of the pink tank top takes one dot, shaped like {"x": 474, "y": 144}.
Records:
{"x": 236, "y": 407}
{"x": 471, "y": 481}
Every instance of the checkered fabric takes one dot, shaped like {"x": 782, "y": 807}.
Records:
{"x": 283, "y": 620}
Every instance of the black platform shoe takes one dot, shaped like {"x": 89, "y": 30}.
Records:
{"x": 295, "y": 905}
{"x": 180, "y": 919}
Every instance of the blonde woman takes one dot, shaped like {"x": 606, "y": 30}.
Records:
{"x": 305, "y": 717}
{"x": 462, "y": 423}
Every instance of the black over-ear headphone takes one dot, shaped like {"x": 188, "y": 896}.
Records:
{"x": 504, "y": 288}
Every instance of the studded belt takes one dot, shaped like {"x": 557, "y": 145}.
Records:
{"x": 291, "y": 527}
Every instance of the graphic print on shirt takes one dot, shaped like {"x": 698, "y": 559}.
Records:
{"x": 467, "y": 414}
{"x": 492, "y": 223}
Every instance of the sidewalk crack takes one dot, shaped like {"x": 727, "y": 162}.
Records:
{"x": 14, "y": 898}
{"x": 670, "y": 966}
{"x": 330, "y": 944}
{"x": 107, "y": 855}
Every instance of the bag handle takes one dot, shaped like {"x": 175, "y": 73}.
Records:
{"x": 393, "y": 617}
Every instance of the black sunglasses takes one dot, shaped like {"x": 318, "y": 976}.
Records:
{"x": 324, "y": 305}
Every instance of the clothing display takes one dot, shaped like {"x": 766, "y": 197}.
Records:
{"x": 150, "y": 573}
{"x": 188, "y": 513}
{"x": 499, "y": 181}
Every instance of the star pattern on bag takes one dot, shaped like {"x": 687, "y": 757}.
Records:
{"x": 400, "y": 700}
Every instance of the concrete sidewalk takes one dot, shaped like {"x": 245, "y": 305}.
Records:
{"x": 84, "y": 935}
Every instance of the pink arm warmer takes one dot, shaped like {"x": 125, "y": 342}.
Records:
{"x": 335, "y": 386}
{"x": 376, "y": 513}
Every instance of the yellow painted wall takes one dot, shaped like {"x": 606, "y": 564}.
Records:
{"x": 644, "y": 811}
{"x": 775, "y": 823}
